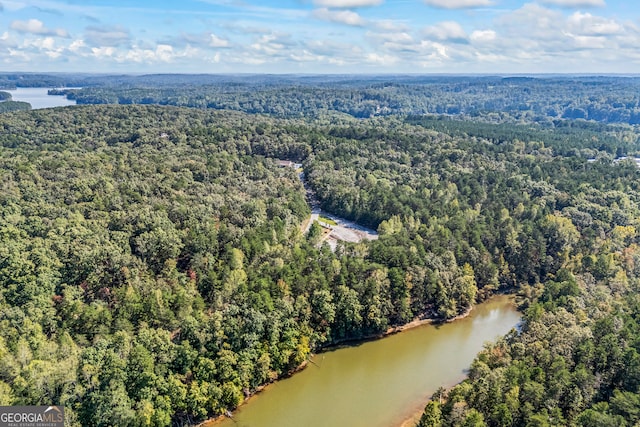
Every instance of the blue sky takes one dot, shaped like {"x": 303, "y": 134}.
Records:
{"x": 321, "y": 36}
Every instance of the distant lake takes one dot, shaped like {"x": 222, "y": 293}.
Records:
{"x": 38, "y": 98}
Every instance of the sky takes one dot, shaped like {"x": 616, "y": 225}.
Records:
{"x": 320, "y": 36}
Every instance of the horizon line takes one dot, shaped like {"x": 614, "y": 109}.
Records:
{"x": 408, "y": 74}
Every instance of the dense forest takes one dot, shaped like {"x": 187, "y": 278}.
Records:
{"x": 542, "y": 99}
{"x": 7, "y": 104}
{"x": 494, "y": 99}
{"x": 576, "y": 359}
{"x": 153, "y": 270}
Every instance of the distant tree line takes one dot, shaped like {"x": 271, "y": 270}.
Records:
{"x": 540, "y": 99}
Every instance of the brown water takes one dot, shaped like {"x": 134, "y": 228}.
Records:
{"x": 378, "y": 383}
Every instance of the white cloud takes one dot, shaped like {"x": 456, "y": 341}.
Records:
{"x": 53, "y": 54}
{"x": 346, "y": 17}
{"x": 35, "y": 26}
{"x": 215, "y": 41}
{"x": 17, "y": 54}
{"x": 47, "y": 43}
{"x": 334, "y": 52}
{"x": 272, "y": 45}
{"x": 532, "y": 22}
{"x": 400, "y": 44}
{"x": 575, "y": 3}
{"x": 247, "y": 58}
{"x": 490, "y": 58}
{"x": 587, "y": 24}
{"x": 539, "y": 36}
{"x": 587, "y": 42}
{"x": 391, "y": 26}
{"x": 347, "y": 3}
{"x": 538, "y": 39}
{"x": 77, "y": 45}
{"x": 163, "y": 53}
{"x": 391, "y": 37}
{"x": 384, "y": 60}
{"x": 199, "y": 40}
{"x": 103, "y": 52}
{"x": 322, "y": 53}
{"x": 137, "y": 54}
{"x": 433, "y": 51}
{"x": 459, "y": 4}
{"x": 46, "y": 46}
{"x": 8, "y": 40}
{"x": 306, "y": 56}
{"x": 483, "y": 36}
{"x": 549, "y": 28}
{"x": 448, "y": 30}
{"x": 268, "y": 44}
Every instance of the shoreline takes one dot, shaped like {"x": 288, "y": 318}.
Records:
{"x": 417, "y": 322}
{"x": 413, "y": 420}
{"x": 414, "y": 416}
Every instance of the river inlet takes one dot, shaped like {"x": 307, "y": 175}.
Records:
{"x": 378, "y": 383}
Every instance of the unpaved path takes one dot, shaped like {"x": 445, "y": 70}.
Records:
{"x": 344, "y": 230}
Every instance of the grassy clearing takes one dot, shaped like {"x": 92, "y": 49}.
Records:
{"x": 327, "y": 220}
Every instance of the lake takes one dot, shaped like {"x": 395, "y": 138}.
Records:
{"x": 378, "y": 383}
{"x": 38, "y": 98}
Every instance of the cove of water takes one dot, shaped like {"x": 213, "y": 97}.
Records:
{"x": 38, "y": 97}
{"x": 378, "y": 383}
